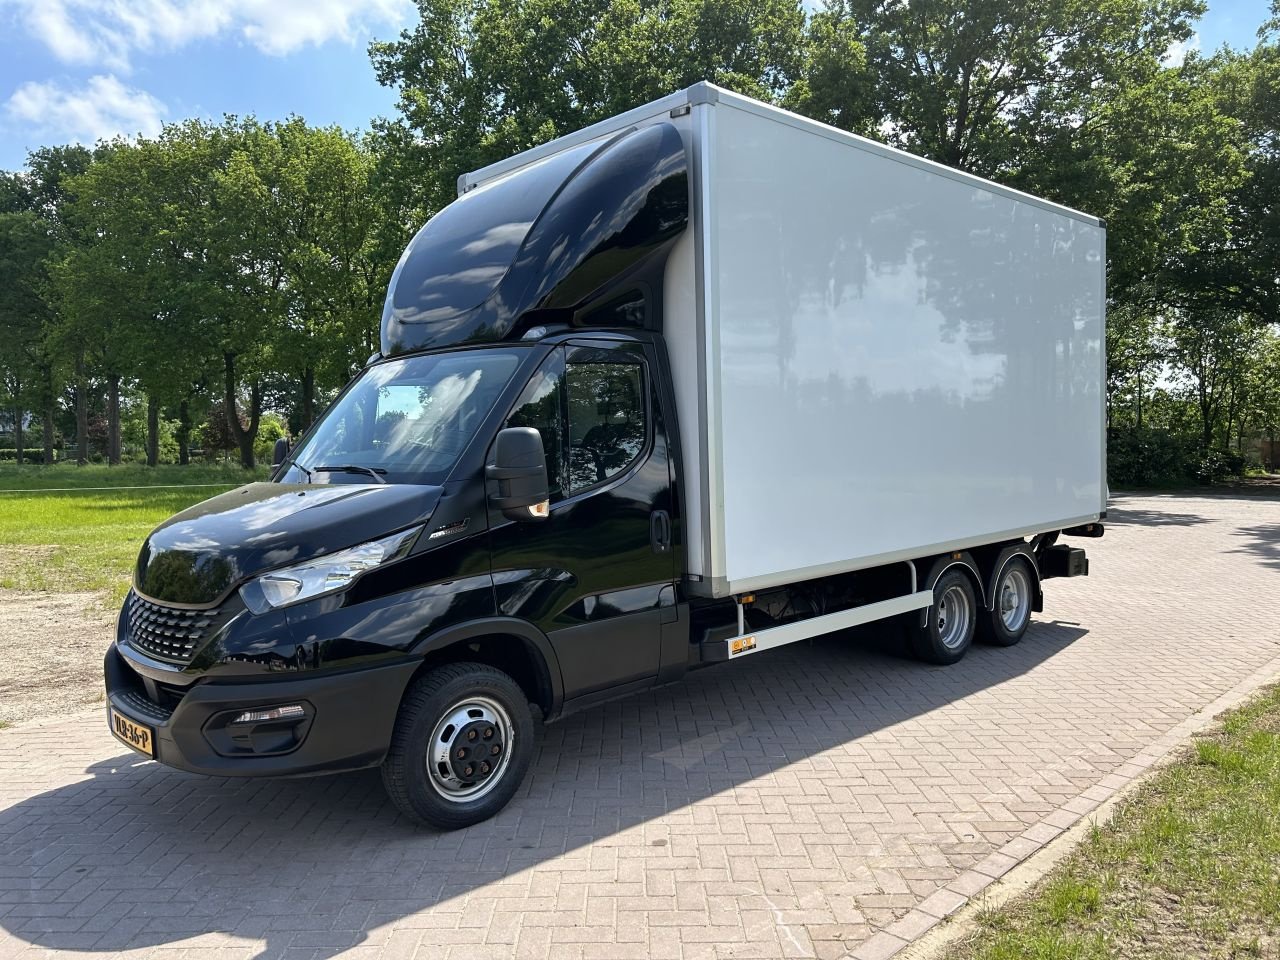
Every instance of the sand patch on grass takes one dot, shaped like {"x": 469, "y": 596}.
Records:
{"x": 51, "y": 650}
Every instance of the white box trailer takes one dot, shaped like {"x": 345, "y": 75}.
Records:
{"x": 692, "y": 383}
{"x": 875, "y": 357}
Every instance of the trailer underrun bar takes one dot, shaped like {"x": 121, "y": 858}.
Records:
{"x": 745, "y": 643}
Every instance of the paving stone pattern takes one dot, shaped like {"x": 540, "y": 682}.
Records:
{"x": 823, "y": 800}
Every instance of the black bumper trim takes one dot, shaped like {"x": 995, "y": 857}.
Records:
{"x": 355, "y": 713}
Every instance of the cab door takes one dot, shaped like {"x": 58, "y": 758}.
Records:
{"x": 597, "y": 575}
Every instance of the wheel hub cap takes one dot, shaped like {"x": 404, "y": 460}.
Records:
{"x": 1015, "y": 599}
{"x": 953, "y": 617}
{"x": 474, "y": 752}
{"x": 469, "y": 749}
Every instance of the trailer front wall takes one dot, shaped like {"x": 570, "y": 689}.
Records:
{"x": 899, "y": 360}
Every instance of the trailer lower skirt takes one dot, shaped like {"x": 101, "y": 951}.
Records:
{"x": 735, "y": 647}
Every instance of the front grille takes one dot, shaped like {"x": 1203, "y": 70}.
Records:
{"x": 169, "y": 633}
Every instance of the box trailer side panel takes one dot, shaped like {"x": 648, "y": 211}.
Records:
{"x": 900, "y": 359}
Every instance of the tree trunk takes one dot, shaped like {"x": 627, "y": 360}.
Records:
{"x": 245, "y": 443}
{"x": 153, "y": 430}
{"x": 82, "y": 412}
{"x": 247, "y": 459}
{"x": 17, "y": 434}
{"x": 1231, "y": 417}
{"x": 48, "y": 434}
{"x": 113, "y": 419}
{"x": 243, "y": 436}
{"x": 1206, "y": 417}
{"x": 308, "y": 398}
{"x": 184, "y": 433}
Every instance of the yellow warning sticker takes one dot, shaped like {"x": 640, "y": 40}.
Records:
{"x": 741, "y": 645}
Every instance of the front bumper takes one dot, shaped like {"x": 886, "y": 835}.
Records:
{"x": 348, "y": 722}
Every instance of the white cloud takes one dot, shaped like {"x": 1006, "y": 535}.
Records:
{"x": 1178, "y": 50}
{"x": 281, "y": 26}
{"x": 102, "y": 109}
{"x": 109, "y": 32}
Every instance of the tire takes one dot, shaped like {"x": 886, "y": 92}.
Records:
{"x": 949, "y": 625}
{"x": 1010, "y": 614}
{"x": 454, "y": 721}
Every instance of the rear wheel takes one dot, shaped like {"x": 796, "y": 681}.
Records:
{"x": 1010, "y": 613}
{"x": 949, "y": 623}
{"x": 462, "y": 744}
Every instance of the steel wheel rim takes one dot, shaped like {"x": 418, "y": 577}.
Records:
{"x": 1014, "y": 598}
{"x": 954, "y": 615}
{"x": 441, "y": 759}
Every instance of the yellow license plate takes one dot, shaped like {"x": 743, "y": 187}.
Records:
{"x": 132, "y": 734}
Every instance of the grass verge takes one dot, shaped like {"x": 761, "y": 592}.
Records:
{"x": 87, "y": 539}
{"x": 30, "y": 476}
{"x": 1189, "y": 866}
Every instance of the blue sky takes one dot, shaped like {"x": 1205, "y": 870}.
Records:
{"x": 77, "y": 70}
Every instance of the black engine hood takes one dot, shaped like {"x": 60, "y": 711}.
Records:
{"x": 199, "y": 555}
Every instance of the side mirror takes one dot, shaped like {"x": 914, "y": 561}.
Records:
{"x": 520, "y": 469}
{"x": 279, "y": 452}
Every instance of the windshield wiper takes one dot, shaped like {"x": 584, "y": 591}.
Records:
{"x": 375, "y": 472}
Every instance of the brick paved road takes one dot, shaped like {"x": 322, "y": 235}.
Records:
{"x": 813, "y": 801}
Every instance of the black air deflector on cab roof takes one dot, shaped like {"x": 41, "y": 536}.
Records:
{"x": 548, "y": 237}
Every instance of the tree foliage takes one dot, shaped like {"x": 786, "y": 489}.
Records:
{"x": 224, "y": 258}
{"x": 234, "y": 269}
{"x": 479, "y": 81}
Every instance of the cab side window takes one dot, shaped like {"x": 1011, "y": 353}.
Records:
{"x": 541, "y": 406}
{"x": 607, "y": 423}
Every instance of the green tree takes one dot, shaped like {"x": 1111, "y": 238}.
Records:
{"x": 44, "y": 189}
{"x": 101, "y": 308}
{"x": 965, "y": 83}
{"x": 317, "y": 224}
{"x": 1210, "y": 356}
{"x": 1263, "y": 394}
{"x": 836, "y": 85}
{"x": 1249, "y": 89}
{"x": 1136, "y": 356}
{"x": 479, "y": 80}
{"x": 25, "y": 247}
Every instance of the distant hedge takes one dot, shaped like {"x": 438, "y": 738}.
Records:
{"x": 1147, "y": 457}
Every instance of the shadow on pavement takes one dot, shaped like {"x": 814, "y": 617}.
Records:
{"x": 139, "y": 855}
{"x": 1263, "y": 542}
{"x": 1119, "y": 516}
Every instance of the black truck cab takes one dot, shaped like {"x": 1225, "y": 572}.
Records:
{"x": 486, "y": 518}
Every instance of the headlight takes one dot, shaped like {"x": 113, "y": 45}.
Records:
{"x": 327, "y": 574}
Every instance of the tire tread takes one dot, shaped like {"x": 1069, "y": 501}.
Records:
{"x": 416, "y": 701}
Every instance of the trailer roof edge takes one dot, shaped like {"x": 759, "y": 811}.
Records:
{"x": 738, "y": 101}
{"x": 705, "y": 92}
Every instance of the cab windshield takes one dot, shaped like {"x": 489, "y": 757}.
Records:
{"x": 404, "y": 421}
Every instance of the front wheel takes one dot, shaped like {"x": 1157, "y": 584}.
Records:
{"x": 949, "y": 623}
{"x": 462, "y": 744}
